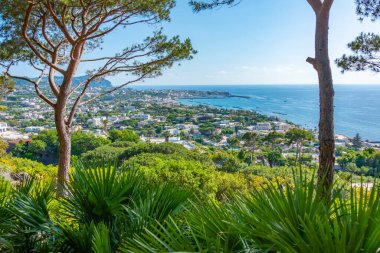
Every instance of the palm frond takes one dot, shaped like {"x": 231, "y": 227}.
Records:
{"x": 99, "y": 194}
{"x": 155, "y": 203}
{"x": 101, "y": 239}
{"x": 202, "y": 228}
{"x": 32, "y": 227}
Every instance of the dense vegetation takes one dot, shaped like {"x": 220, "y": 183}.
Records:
{"x": 365, "y": 162}
{"x": 44, "y": 146}
{"x": 245, "y": 151}
{"x": 166, "y": 198}
{"x": 115, "y": 209}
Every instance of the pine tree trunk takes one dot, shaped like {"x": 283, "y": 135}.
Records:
{"x": 64, "y": 138}
{"x": 253, "y": 162}
{"x": 297, "y": 153}
{"x": 62, "y": 124}
{"x": 326, "y": 95}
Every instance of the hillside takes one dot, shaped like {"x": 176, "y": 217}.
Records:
{"x": 100, "y": 83}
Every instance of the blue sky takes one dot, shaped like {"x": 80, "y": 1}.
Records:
{"x": 255, "y": 42}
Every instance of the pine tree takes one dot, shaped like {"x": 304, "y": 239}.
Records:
{"x": 366, "y": 46}
{"x": 56, "y": 37}
{"x": 357, "y": 142}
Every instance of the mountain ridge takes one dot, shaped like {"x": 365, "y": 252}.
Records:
{"x": 78, "y": 79}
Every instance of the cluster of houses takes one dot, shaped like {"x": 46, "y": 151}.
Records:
{"x": 26, "y": 108}
{"x": 9, "y": 134}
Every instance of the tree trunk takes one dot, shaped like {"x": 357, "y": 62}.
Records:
{"x": 64, "y": 138}
{"x": 64, "y": 125}
{"x": 253, "y": 161}
{"x": 297, "y": 153}
{"x": 326, "y": 95}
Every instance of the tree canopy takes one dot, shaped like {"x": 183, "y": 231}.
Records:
{"x": 123, "y": 135}
{"x": 366, "y": 46}
{"x": 56, "y": 37}
{"x": 6, "y": 86}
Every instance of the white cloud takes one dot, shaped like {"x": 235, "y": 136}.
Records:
{"x": 289, "y": 70}
{"x": 281, "y": 69}
{"x": 249, "y": 68}
{"x": 222, "y": 72}
{"x": 356, "y": 77}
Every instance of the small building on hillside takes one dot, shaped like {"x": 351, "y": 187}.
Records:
{"x": 341, "y": 140}
{"x": 3, "y": 127}
{"x": 141, "y": 116}
{"x": 34, "y": 129}
{"x": 282, "y": 126}
{"x": 96, "y": 122}
{"x": 263, "y": 126}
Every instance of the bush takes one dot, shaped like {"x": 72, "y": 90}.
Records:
{"x": 35, "y": 169}
{"x": 83, "y": 142}
{"x": 104, "y": 207}
{"x": 106, "y": 152}
{"x": 123, "y": 150}
{"x": 123, "y": 135}
{"x": 44, "y": 146}
{"x": 116, "y": 209}
{"x": 274, "y": 219}
{"x": 173, "y": 168}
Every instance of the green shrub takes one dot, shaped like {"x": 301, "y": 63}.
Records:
{"x": 274, "y": 219}
{"x": 176, "y": 169}
{"x": 33, "y": 168}
{"x": 103, "y": 207}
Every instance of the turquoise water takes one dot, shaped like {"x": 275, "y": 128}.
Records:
{"x": 357, "y": 107}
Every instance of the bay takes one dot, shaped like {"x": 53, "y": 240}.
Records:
{"x": 357, "y": 107}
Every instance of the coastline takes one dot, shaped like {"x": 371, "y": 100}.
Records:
{"x": 356, "y": 106}
{"x": 182, "y": 99}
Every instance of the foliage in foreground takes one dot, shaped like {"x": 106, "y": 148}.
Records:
{"x": 9, "y": 164}
{"x": 113, "y": 209}
{"x": 275, "y": 219}
{"x": 103, "y": 208}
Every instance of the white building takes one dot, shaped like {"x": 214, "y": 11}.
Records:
{"x": 128, "y": 109}
{"x": 341, "y": 140}
{"x": 189, "y": 127}
{"x": 281, "y": 126}
{"x": 173, "y": 131}
{"x": 3, "y": 127}
{"x": 263, "y": 126}
{"x": 12, "y": 135}
{"x": 180, "y": 126}
{"x": 96, "y": 122}
{"x": 141, "y": 116}
{"x": 143, "y": 123}
{"x": 224, "y": 123}
{"x": 160, "y": 118}
{"x": 34, "y": 129}
{"x": 242, "y": 132}
{"x": 175, "y": 140}
{"x": 113, "y": 119}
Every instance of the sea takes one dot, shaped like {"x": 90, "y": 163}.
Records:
{"x": 357, "y": 107}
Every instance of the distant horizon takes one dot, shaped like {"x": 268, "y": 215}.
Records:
{"x": 226, "y": 84}
{"x": 259, "y": 84}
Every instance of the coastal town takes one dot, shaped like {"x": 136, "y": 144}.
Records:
{"x": 157, "y": 116}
